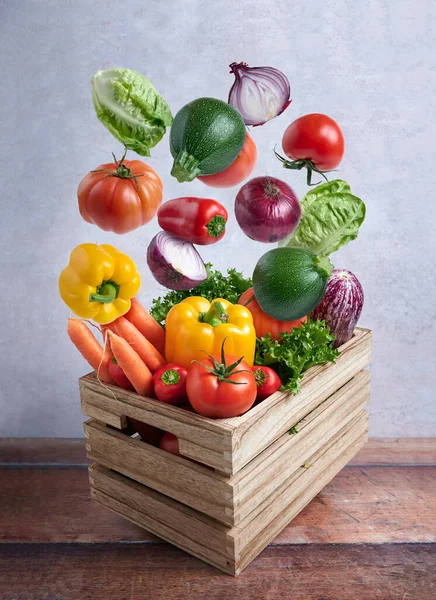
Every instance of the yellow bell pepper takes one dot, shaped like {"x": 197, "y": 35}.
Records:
{"x": 99, "y": 282}
{"x": 195, "y": 326}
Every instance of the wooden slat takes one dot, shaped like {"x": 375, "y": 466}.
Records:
{"x": 71, "y": 452}
{"x": 206, "y": 538}
{"x": 260, "y": 426}
{"x": 397, "y": 451}
{"x": 264, "y": 474}
{"x": 229, "y": 444}
{"x": 135, "y": 572}
{"x": 228, "y": 500}
{"x": 212, "y": 435}
{"x": 361, "y": 505}
{"x": 192, "y": 484}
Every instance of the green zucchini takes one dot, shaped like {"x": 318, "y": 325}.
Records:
{"x": 288, "y": 283}
{"x": 206, "y": 137}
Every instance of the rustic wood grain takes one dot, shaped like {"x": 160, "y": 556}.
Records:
{"x": 229, "y": 444}
{"x": 361, "y": 504}
{"x": 159, "y": 572}
{"x": 229, "y": 549}
{"x": 228, "y": 499}
{"x": 71, "y": 452}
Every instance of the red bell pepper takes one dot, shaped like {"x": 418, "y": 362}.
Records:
{"x": 197, "y": 220}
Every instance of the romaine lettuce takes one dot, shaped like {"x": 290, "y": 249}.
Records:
{"x": 331, "y": 217}
{"x": 131, "y": 108}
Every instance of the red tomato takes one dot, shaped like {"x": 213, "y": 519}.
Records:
{"x": 118, "y": 375}
{"x": 212, "y": 397}
{"x": 170, "y": 384}
{"x": 170, "y": 443}
{"x": 267, "y": 381}
{"x": 151, "y": 435}
{"x": 239, "y": 170}
{"x": 317, "y": 138}
{"x": 119, "y": 202}
{"x": 197, "y": 220}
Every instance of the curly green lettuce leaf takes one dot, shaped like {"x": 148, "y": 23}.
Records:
{"x": 296, "y": 351}
{"x": 331, "y": 217}
{"x": 217, "y": 285}
{"x": 130, "y": 107}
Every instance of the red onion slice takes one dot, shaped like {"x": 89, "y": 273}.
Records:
{"x": 174, "y": 263}
{"x": 259, "y": 93}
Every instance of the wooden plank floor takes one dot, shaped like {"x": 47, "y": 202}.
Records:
{"x": 370, "y": 534}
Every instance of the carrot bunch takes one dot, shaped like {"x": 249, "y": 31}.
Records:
{"x": 136, "y": 341}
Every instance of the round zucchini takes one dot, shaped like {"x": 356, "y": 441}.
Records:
{"x": 289, "y": 282}
{"x": 206, "y": 137}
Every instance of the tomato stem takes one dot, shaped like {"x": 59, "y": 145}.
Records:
{"x": 123, "y": 172}
{"x": 221, "y": 370}
{"x": 170, "y": 377}
{"x": 302, "y": 163}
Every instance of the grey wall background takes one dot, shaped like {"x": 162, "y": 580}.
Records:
{"x": 371, "y": 65}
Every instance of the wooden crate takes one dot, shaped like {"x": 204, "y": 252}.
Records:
{"x": 251, "y": 476}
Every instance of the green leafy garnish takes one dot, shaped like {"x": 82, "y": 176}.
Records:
{"x": 131, "y": 108}
{"x": 230, "y": 287}
{"x": 293, "y": 430}
{"x": 331, "y": 217}
{"x": 296, "y": 351}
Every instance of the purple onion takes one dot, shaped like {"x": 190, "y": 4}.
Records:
{"x": 341, "y": 305}
{"x": 259, "y": 93}
{"x": 267, "y": 209}
{"x": 175, "y": 263}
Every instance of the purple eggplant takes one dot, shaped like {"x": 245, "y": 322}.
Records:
{"x": 341, "y": 305}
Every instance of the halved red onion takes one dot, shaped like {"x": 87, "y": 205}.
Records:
{"x": 175, "y": 263}
{"x": 267, "y": 209}
{"x": 259, "y": 93}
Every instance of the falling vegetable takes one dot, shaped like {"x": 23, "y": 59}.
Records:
{"x": 267, "y": 209}
{"x": 259, "y": 93}
{"x": 175, "y": 263}
{"x": 314, "y": 142}
{"x": 341, "y": 305}
{"x": 239, "y": 170}
{"x": 197, "y": 220}
{"x": 99, "y": 282}
{"x": 331, "y": 218}
{"x": 120, "y": 196}
{"x": 131, "y": 108}
{"x": 289, "y": 282}
{"x": 206, "y": 137}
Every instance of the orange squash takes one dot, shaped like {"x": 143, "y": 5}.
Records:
{"x": 263, "y": 323}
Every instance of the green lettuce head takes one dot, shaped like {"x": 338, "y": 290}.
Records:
{"x": 131, "y": 108}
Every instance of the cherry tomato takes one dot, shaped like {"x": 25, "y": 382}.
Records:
{"x": 118, "y": 375}
{"x": 120, "y": 196}
{"x": 170, "y": 443}
{"x": 213, "y": 396}
{"x": 239, "y": 170}
{"x": 170, "y": 384}
{"x": 316, "y": 138}
{"x": 267, "y": 381}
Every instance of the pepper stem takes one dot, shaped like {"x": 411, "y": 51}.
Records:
{"x": 170, "y": 377}
{"x": 106, "y": 293}
{"x": 216, "y": 226}
{"x": 216, "y": 315}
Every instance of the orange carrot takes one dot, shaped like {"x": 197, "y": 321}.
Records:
{"x": 145, "y": 349}
{"x": 135, "y": 370}
{"x": 147, "y": 325}
{"x": 90, "y": 349}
